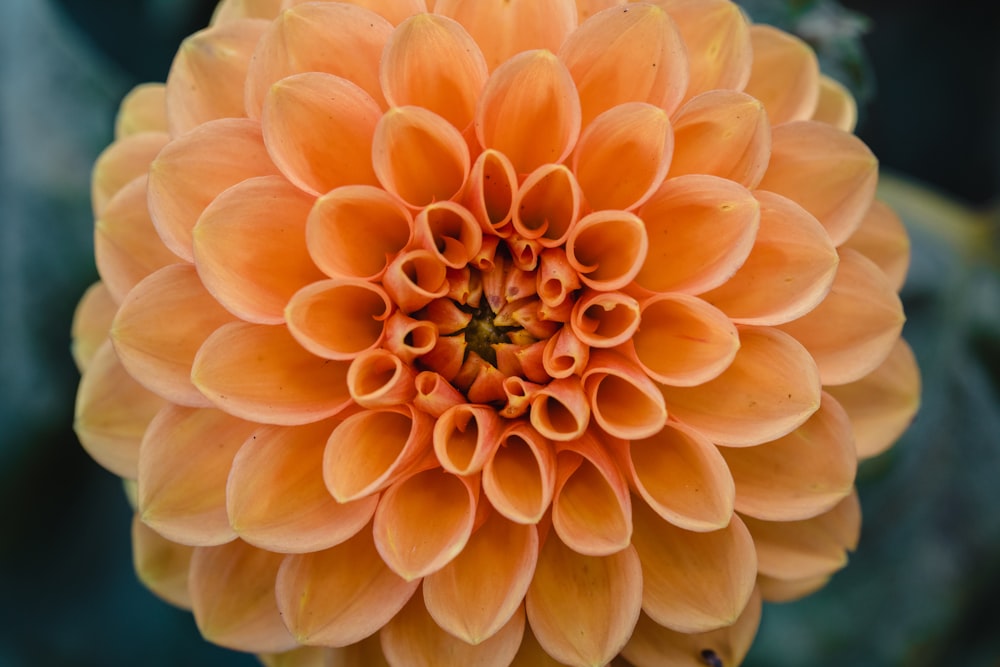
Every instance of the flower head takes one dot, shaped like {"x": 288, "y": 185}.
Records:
{"x": 500, "y": 333}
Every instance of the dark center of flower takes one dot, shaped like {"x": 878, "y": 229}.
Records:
{"x": 711, "y": 658}
{"x": 483, "y": 333}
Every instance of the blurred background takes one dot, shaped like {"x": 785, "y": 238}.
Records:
{"x": 922, "y": 589}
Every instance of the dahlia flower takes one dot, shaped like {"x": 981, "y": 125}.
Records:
{"x": 490, "y": 333}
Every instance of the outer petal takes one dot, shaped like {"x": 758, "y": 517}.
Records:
{"x": 882, "y": 238}
{"x": 120, "y": 163}
{"x": 393, "y": 11}
{"x": 531, "y": 653}
{"x": 161, "y": 565}
{"x": 785, "y": 75}
{"x": 836, "y": 105}
{"x": 304, "y": 656}
{"x": 233, "y": 10}
{"x": 143, "y": 109}
{"x": 91, "y": 323}
{"x": 338, "y": 319}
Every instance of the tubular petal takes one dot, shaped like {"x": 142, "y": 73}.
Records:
{"x": 555, "y": 278}
{"x": 882, "y": 238}
{"x": 561, "y": 410}
{"x": 722, "y": 133}
{"x": 701, "y": 229}
{"x": 489, "y": 193}
{"x": 547, "y": 205}
{"x": 769, "y": 390}
{"x": 788, "y": 272}
{"x": 415, "y": 278}
{"x": 206, "y": 78}
{"x": 627, "y": 54}
{"x": 122, "y": 162}
{"x": 184, "y": 462}
{"x": 605, "y": 319}
{"x": 91, "y": 323}
{"x": 582, "y": 609}
{"x": 693, "y": 582}
{"x": 408, "y": 338}
{"x": 112, "y": 412}
{"x": 800, "y": 475}
{"x": 829, "y": 172}
{"x": 785, "y": 74}
{"x": 682, "y": 476}
{"x": 529, "y": 109}
{"x": 477, "y": 593}
{"x": 624, "y": 402}
{"x": 355, "y": 231}
{"x": 465, "y": 437}
{"x": 259, "y": 372}
{"x": 160, "y": 564}
{"x": 232, "y": 596}
{"x": 341, "y": 595}
{"x": 623, "y": 155}
{"x": 520, "y": 479}
{"x": 853, "y": 329}
{"x": 378, "y": 379}
{"x": 424, "y": 521}
{"x": 233, "y": 10}
{"x": 882, "y": 404}
{"x": 143, "y": 109}
{"x": 430, "y": 61}
{"x": 449, "y": 232}
{"x": 276, "y": 498}
{"x": 683, "y": 341}
{"x": 318, "y": 129}
{"x": 836, "y": 105}
{"x": 435, "y": 394}
{"x": 338, "y": 318}
{"x": 608, "y": 248}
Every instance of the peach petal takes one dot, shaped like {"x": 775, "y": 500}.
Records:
{"x": 722, "y": 133}
{"x": 518, "y": 392}
{"x": 547, "y": 205}
{"x": 683, "y": 341}
{"x": 681, "y": 476}
{"x": 143, "y": 109}
{"x": 836, "y": 105}
{"x": 435, "y": 394}
{"x": 556, "y": 278}
{"x": 789, "y": 590}
{"x": 261, "y": 373}
{"x": 565, "y": 354}
{"x": 430, "y": 61}
{"x": 232, "y": 596}
{"x": 788, "y": 272}
{"x": 693, "y": 582}
{"x": 829, "y": 172}
{"x": 352, "y": 40}
{"x": 393, "y": 11}
{"x": 378, "y": 379}
{"x": 466, "y": 436}
{"x": 529, "y": 110}
{"x": 582, "y": 609}
{"x": 587, "y": 8}
{"x": 182, "y": 481}
{"x": 449, "y": 232}
{"x": 627, "y": 54}
{"x": 785, "y": 74}
{"x": 355, "y": 231}
{"x": 504, "y": 29}
{"x": 193, "y": 169}
{"x": 608, "y": 248}
{"x": 206, "y": 78}
{"x": 561, "y": 409}
{"x": 531, "y": 653}
{"x": 91, "y": 323}
{"x": 424, "y": 521}
{"x": 769, "y": 390}
{"x": 341, "y": 595}
{"x": 474, "y": 607}
{"x": 161, "y": 565}
{"x": 448, "y": 357}
{"x": 319, "y": 128}
{"x": 414, "y": 279}
{"x": 519, "y": 480}
{"x": 112, "y": 412}
{"x": 373, "y": 448}
{"x": 304, "y": 656}
{"x": 276, "y": 498}
{"x": 800, "y": 475}
{"x": 883, "y": 239}
{"x": 882, "y": 404}
{"x": 525, "y": 253}
{"x": 855, "y": 327}
{"x": 701, "y": 229}
{"x": 408, "y": 338}
{"x": 233, "y": 10}
{"x": 122, "y": 162}
{"x": 490, "y": 191}
{"x": 366, "y": 653}
{"x": 624, "y": 402}
{"x": 338, "y": 318}
{"x": 605, "y": 319}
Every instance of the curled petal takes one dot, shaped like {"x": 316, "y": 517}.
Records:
{"x": 882, "y": 238}
{"x": 556, "y": 278}
{"x": 143, "y": 109}
{"x": 529, "y": 110}
{"x": 121, "y": 163}
{"x": 338, "y": 319}
{"x": 518, "y": 392}
{"x": 91, "y": 323}
{"x": 490, "y": 191}
{"x": 449, "y": 232}
{"x": 561, "y": 410}
{"x": 701, "y": 229}
{"x": 785, "y": 74}
{"x": 769, "y": 390}
{"x": 547, "y": 205}
{"x": 605, "y": 319}
{"x": 276, "y": 498}
{"x": 233, "y": 10}
{"x": 836, "y": 105}
{"x": 355, "y": 231}
{"x": 447, "y": 359}
{"x": 414, "y": 279}
{"x": 340, "y": 595}
{"x": 261, "y": 373}
{"x": 608, "y": 248}
{"x": 160, "y": 564}
{"x": 408, "y": 338}
{"x": 520, "y": 479}
{"x": 582, "y": 609}
{"x": 378, "y": 378}
{"x": 693, "y": 582}
{"x": 435, "y": 394}
{"x": 465, "y": 437}
{"x": 625, "y": 403}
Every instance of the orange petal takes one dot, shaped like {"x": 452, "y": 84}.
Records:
{"x": 800, "y": 475}
{"x": 490, "y": 191}
{"x": 143, "y": 109}
{"x": 701, "y": 229}
{"x": 91, "y": 322}
{"x": 693, "y": 582}
{"x": 304, "y": 656}
{"x": 529, "y": 110}
{"x": 789, "y": 270}
{"x": 769, "y": 390}
{"x": 531, "y": 653}
{"x": 547, "y": 205}
{"x": 520, "y": 479}
{"x": 722, "y": 133}
{"x": 155, "y": 344}
{"x": 449, "y": 232}
{"x": 582, "y": 609}
{"x": 882, "y": 238}
{"x": 112, "y": 412}
{"x": 836, "y": 105}
{"x": 682, "y": 476}
{"x": 605, "y": 319}
{"x": 193, "y": 169}
{"x": 206, "y": 78}
{"x": 341, "y": 595}
{"x": 276, "y": 497}
{"x": 881, "y": 405}
{"x": 260, "y": 373}
{"x": 366, "y": 653}
{"x": 338, "y": 318}
{"x": 608, "y": 248}
{"x": 829, "y": 172}
{"x": 233, "y": 10}
{"x": 561, "y": 409}
{"x": 556, "y": 278}
{"x": 466, "y": 436}
{"x": 424, "y": 521}
{"x": 430, "y": 61}
{"x": 477, "y": 593}
{"x": 161, "y": 565}
{"x": 853, "y": 329}
{"x": 182, "y": 482}
{"x": 627, "y": 54}
{"x": 122, "y": 162}
{"x": 789, "y": 590}
{"x": 415, "y": 278}
{"x": 785, "y": 74}
{"x": 232, "y": 596}
{"x": 378, "y": 379}
{"x": 624, "y": 402}
{"x": 393, "y": 11}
